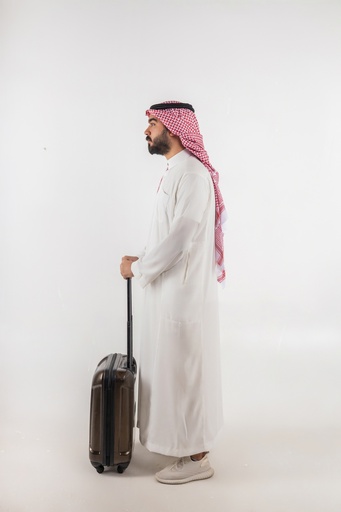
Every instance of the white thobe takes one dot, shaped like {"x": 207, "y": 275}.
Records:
{"x": 180, "y": 406}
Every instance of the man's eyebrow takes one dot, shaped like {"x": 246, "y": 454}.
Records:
{"x": 152, "y": 119}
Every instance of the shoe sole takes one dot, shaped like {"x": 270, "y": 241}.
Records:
{"x": 193, "y": 478}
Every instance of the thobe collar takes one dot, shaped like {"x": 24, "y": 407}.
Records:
{"x": 178, "y": 158}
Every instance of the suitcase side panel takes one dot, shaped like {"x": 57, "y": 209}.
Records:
{"x": 123, "y": 414}
{"x": 98, "y": 438}
{"x": 96, "y": 423}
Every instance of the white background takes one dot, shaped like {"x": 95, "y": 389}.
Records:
{"x": 78, "y": 184}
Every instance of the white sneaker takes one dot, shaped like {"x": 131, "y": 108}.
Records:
{"x": 185, "y": 470}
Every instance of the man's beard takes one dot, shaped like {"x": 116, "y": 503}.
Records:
{"x": 160, "y": 145}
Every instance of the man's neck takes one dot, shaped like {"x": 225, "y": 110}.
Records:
{"x": 174, "y": 151}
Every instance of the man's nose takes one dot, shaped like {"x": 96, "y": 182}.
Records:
{"x": 147, "y": 131}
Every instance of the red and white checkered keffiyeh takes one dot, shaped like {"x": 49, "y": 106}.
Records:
{"x": 183, "y": 123}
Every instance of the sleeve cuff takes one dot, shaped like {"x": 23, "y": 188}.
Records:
{"x": 135, "y": 269}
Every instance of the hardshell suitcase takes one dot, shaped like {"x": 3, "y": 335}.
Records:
{"x": 112, "y": 406}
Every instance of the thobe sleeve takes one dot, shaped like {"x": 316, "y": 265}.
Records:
{"x": 135, "y": 265}
{"x": 192, "y": 199}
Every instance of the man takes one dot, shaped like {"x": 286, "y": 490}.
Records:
{"x": 180, "y": 410}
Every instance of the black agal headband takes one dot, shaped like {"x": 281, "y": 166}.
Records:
{"x": 165, "y": 106}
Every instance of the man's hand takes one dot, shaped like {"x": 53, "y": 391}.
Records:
{"x": 125, "y": 266}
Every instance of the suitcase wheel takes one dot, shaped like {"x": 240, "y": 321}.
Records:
{"x": 99, "y": 469}
{"x": 122, "y": 467}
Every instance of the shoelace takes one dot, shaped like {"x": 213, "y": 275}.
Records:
{"x": 180, "y": 463}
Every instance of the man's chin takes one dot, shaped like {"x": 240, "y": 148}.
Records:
{"x": 152, "y": 149}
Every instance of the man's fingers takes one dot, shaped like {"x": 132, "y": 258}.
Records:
{"x": 130, "y": 258}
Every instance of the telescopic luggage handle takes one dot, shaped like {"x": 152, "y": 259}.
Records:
{"x": 129, "y": 326}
